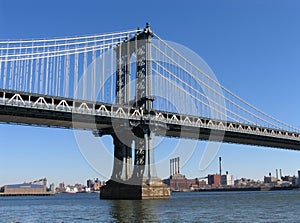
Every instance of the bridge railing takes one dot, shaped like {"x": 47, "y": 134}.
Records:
{"x": 90, "y": 108}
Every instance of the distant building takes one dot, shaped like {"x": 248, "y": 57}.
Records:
{"x": 284, "y": 183}
{"x": 244, "y": 182}
{"x": 71, "y": 188}
{"x": 179, "y": 182}
{"x": 90, "y": 183}
{"x": 79, "y": 187}
{"x": 291, "y": 179}
{"x": 61, "y": 187}
{"x": 227, "y": 180}
{"x": 52, "y": 188}
{"x": 19, "y": 189}
{"x": 97, "y": 185}
{"x": 270, "y": 179}
{"x": 213, "y": 179}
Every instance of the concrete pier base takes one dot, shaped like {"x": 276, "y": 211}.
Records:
{"x": 124, "y": 191}
{"x": 155, "y": 190}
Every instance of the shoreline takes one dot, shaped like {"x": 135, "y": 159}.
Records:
{"x": 241, "y": 189}
{"x": 24, "y": 194}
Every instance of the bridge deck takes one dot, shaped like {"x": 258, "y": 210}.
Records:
{"x": 40, "y": 110}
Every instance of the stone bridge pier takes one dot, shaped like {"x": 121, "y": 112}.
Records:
{"x": 134, "y": 175}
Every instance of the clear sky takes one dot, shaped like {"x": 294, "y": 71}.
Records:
{"x": 252, "y": 46}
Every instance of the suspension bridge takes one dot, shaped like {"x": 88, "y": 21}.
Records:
{"x": 134, "y": 86}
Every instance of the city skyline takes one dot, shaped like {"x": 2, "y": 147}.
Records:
{"x": 253, "y": 56}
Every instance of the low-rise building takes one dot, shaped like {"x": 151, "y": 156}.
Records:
{"x": 227, "y": 180}
{"x": 179, "y": 182}
{"x": 213, "y": 179}
{"x": 270, "y": 179}
{"x": 24, "y": 189}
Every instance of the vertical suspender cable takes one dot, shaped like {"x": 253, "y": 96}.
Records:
{"x": 11, "y": 72}
{"x": 76, "y": 75}
{"x": 51, "y": 59}
{"x": 14, "y": 72}
{"x": 59, "y": 76}
{"x": 5, "y": 67}
{"x": 1, "y": 74}
{"x": 42, "y": 89}
{"x": 94, "y": 72}
{"x": 21, "y": 65}
{"x": 16, "y": 75}
{"x": 31, "y": 70}
{"x": 84, "y": 74}
{"x": 112, "y": 82}
{"x": 57, "y": 72}
{"x": 54, "y": 73}
{"x": 26, "y": 71}
{"x": 36, "y": 76}
{"x": 18, "y": 84}
{"x": 103, "y": 75}
{"x": 67, "y": 73}
{"x": 63, "y": 71}
{"x": 47, "y": 72}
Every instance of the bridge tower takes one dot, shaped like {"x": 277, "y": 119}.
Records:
{"x": 138, "y": 181}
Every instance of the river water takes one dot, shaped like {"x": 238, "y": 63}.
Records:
{"x": 256, "y": 206}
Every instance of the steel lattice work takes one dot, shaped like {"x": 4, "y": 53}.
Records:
{"x": 85, "y": 68}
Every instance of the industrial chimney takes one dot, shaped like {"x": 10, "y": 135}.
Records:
{"x": 220, "y": 165}
{"x": 178, "y": 166}
{"x": 280, "y": 173}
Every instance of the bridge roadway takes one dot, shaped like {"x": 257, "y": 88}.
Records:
{"x": 40, "y": 110}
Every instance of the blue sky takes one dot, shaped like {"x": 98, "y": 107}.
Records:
{"x": 253, "y": 48}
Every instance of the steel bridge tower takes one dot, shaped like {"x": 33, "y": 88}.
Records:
{"x": 138, "y": 181}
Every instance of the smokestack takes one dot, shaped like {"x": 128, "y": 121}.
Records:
{"x": 173, "y": 168}
{"x": 220, "y": 165}
{"x": 277, "y": 174}
{"x": 280, "y": 173}
{"x": 170, "y": 167}
{"x": 178, "y": 166}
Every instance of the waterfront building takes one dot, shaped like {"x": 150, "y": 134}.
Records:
{"x": 61, "y": 187}
{"x": 90, "y": 183}
{"x": 270, "y": 179}
{"x": 213, "y": 179}
{"x": 97, "y": 185}
{"x": 71, "y": 189}
{"x": 227, "y": 180}
{"x": 179, "y": 182}
{"x": 79, "y": 187}
{"x": 19, "y": 189}
{"x": 244, "y": 182}
{"x": 52, "y": 188}
{"x": 37, "y": 187}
